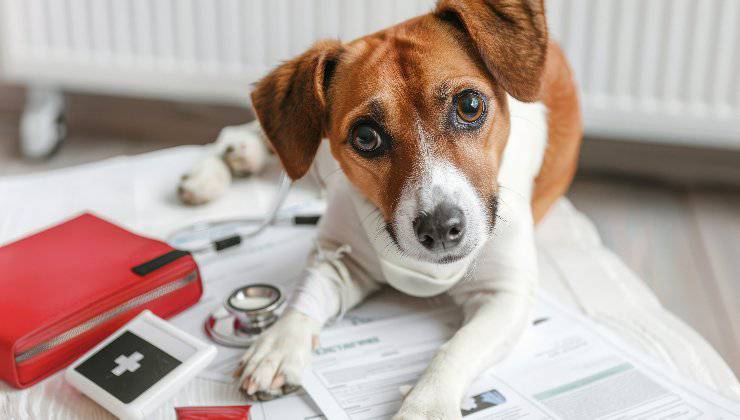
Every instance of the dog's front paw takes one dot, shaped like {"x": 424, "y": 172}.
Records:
{"x": 205, "y": 182}
{"x": 245, "y": 152}
{"x": 428, "y": 404}
{"x": 273, "y": 365}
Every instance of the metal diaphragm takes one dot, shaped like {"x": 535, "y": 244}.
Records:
{"x": 244, "y": 315}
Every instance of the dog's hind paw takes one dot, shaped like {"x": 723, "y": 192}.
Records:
{"x": 205, "y": 182}
{"x": 244, "y": 150}
{"x": 273, "y": 365}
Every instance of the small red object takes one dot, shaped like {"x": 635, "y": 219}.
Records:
{"x": 226, "y": 412}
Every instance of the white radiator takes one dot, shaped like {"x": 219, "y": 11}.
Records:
{"x": 648, "y": 69}
{"x": 655, "y": 69}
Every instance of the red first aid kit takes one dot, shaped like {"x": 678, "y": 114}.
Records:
{"x": 66, "y": 288}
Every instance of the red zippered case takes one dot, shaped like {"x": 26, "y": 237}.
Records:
{"x": 66, "y": 288}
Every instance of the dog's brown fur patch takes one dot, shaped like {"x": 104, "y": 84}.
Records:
{"x": 564, "y": 133}
{"x": 290, "y": 104}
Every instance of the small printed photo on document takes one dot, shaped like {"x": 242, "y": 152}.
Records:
{"x": 482, "y": 401}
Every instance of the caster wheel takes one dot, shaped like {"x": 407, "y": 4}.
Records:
{"x": 43, "y": 125}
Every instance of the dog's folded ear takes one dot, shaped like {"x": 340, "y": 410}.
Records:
{"x": 509, "y": 35}
{"x": 291, "y": 105}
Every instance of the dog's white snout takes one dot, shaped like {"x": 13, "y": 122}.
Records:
{"x": 440, "y": 216}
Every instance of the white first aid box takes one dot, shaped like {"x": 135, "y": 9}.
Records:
{"x": 135, "y": 370}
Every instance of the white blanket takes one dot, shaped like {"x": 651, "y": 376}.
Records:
{"x": 138, "y": 193}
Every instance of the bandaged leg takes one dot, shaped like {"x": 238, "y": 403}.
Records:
{"x": 332, "y": 285}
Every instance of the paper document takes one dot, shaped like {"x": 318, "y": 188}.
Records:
{"x": 565, "y": 367}
{"x": 298, "y": 406}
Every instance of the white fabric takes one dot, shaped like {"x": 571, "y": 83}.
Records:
{"x": 138, "y": 192}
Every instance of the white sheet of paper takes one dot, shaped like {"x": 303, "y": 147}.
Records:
{"x": 565, "y": 367}
{"x": 298, "y": 406}
{"x": 30, "y": 203}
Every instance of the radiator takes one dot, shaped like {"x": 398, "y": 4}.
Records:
{"x": 654, "y": 70}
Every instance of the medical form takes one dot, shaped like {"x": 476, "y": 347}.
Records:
{"x": 565, "y": 367}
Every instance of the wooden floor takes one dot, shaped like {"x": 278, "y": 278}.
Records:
{"x": 683, "y": 241}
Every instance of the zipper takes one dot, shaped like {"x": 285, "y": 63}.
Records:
{"x": 104, "y": 317}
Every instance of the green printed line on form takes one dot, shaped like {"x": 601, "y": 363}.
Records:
{"x": 582, "y": 382}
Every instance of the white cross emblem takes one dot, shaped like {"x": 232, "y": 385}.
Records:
{"x": 127, "y": 364}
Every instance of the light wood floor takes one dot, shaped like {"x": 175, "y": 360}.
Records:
{"x": 683, "y": 241}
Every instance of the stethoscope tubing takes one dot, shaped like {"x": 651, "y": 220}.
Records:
{"x": 219, "y": 245}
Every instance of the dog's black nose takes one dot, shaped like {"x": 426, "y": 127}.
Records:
{"x": 441, "y": 229}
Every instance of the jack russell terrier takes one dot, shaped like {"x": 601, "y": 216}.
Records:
{"x": 455, "y": 132}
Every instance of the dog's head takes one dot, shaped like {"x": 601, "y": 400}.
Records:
{"x": 416, "y": 115}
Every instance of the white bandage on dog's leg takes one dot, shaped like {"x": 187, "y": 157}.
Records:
{"x": 332, "y": 285}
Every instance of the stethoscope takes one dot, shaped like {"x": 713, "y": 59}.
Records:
{"x": 252, "y": 308}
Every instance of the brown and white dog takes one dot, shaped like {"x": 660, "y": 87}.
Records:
{"x": 455, "y": 132}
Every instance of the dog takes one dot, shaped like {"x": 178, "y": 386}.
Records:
{"x": 455, "y": 132}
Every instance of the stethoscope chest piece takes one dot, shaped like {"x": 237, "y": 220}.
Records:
{"x": 244, "y": 315}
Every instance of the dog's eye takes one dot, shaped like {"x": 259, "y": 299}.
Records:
{"x": 469, "y": 106}
{"x": 367, "y": 140}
